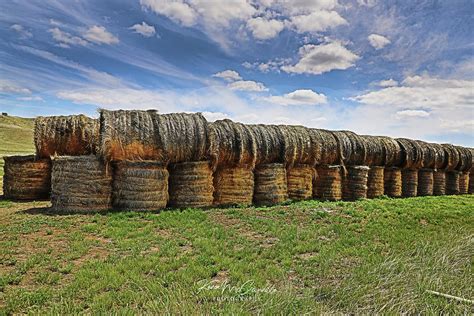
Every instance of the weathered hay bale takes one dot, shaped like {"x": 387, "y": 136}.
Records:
{"x": 393, "y": 182}
{"x": 147, "y": 135}
{"x": 270, "y": 184}
{"x": 191, "y": 184}
{"x": 355, "y": 183}
{"x": 471, "y": 181}
{"x": 425, "y": 182}
{"x": 375, "y": 182}
{"x": 232, "y": 144}
{"x": 139, "y": 186}
{"x": 270, "y": 144}
{"x": 392, "y": 152}
{"x": 72, "y": 135}
{"x": 26, "y": 178}
{"x": 351, "y": 147}
{"x": 300, "y": 182}
{"x": 80, "y": 184}
{"x": 452, "y": 156}
{"x": 452, "y": 182}
{"x": 463, "y": 182}
{"x": 465, "y": 158}
{"x": 441, "y": 159}
{"x": 297, "y": 145}
{"x": 412, "y": 153}
{"x": 439, "y": 182}
{"x": 374, "y": 150}
{"x": 429, "y": 153}
{"x": 233, "y": 186}
{"x": 409, "y": 182}
{"x": 329, "y": 183}
{"x": 324, "y": 147}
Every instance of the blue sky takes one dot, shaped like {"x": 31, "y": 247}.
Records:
{"x": 397, "y": 68}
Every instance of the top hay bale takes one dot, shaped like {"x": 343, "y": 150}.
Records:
{"x": 324, "y": 146}
{"x": 297, "y": 145}
{"x": 73, "y": 135}
{"x": 374, "y": 150}
{"x": 269, "y": 143}
{"x": 452, "y": 157}
{"x": 351, "y": 147}
{"x": 147, "y": 135}
{"x": 412, "y": 153}
{"x": 465, "y": 158}
{"x": 430, "y": 154}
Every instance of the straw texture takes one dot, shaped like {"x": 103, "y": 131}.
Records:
{"x": 452, "y": 182}
{"x": 355, "y": 183}
{"x": 270, "y": 184}
{"x": 409, "y": 182}
{"x": 233, "y": 186}
{"x": 425, "y": 182}
{"x": 463, "y": 182}
{"x": 329, "y": 182}
{"x": 300, "y": 182}
{"x": 439, "y": 182}
{"x": 393, "y": 182}
{"x": 375, "y": 182}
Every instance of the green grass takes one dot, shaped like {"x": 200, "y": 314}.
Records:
{"x": 372, "y": 256}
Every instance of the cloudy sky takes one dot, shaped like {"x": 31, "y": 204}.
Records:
{"x": 397, "y": 68}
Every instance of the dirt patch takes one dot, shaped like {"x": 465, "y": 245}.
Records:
{"x": 221, "y": 277}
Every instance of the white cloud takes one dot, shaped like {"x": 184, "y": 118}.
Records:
{"x": 214, "y": 116}
{"x": 412, "y": 113}
{"x": 247, "y": 85}
{"x": 99, "y": 35}
{"x": 65, "y": 39}
{"x": 378, "y": 41}
{"x": 367, "y": 3}
{"x": 34, "y": 98}
{"x": 263, "y": 29}
{"x": 11, "y": 87}
{"x": 295, "y": 7}
{"x": 388, "y": 83}
{"x": 298, "y": 97}
{"x": 144, "y": 29}
{"x": 228, "y": 75}
{"x": 317, "y": 21}
{"x": 317, "y": 59}
{"x": 178, "y": 11}
{"x": 24, "y": 33}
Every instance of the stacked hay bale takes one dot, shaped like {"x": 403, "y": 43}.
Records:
{"x": 355, "y": 183}
{"x": 233, "y": 186}
{"x": 452, "y": 175}
{"x": 270, "y": 144}
{"x": 297, "y": 145}
{"x": 300, "y": 182}
{"x": 425, "y": 182}
{"x": 26, "y": 178}
{"x": 375, "y": 182}
{"x": 374, "y": 150}
{"x": 463, "y": 182}
{"x": 452, "y": 182}
{"x": 392, "y": 153}
{"x": 329, "y": 183}
{"x": 191, "y": 184}
{"x": 409, "y": 182}
{"x": 439, "y": 182}
{"x": 351, "y": 148}
{"x": 464, "y": 165}
{"x": 324, "y": 147}
{"x": 471, "y": 181}
{"x": 140, "y": 186}
{"x": 393, "y": 182}
{"x": 270, "y": 184}
{"x": 80, "y": 184}
{"x": 72, "y": 135}
{"x": 412, "y": 153}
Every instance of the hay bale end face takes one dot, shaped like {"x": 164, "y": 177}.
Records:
{"x": 425, "y": 182}
{"x": 190, "y": 184}
{"x": 355, "y": 183}
{"x": 270, "y": 184}
{"x": 26, "y": 178}
{"x": 329, "y": 182}
{"x": 300, "y": 182}
{"x": 439, "y": 182}
{"x": 80, "y": 184}
{"x": 140, "y": 186}
{"x": 393, "y": 182}
{"x": 233, "y": 186}
{"x": 72, "y": 135}
{"x": 375, "y": 182}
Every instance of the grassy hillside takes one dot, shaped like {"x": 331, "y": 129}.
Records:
{"x": 366, "y": 257}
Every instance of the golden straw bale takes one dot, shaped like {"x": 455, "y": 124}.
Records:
{"x": 463, "y": 182}
{"x": 425, "y": 182}
{"x": 452, "y": 182}
{"x": 270, "y": 184}
{"x": 374, "y": 150}
{"x": 270, "y": 143}
{"x": 375, "y": 182}
{"x": 191, "y": 184}
{"x": 297, "y": 145}
{"x": 72, "y": 135}
{"x": 80, "y": 184}
{"x": 409, "y": 182}
{"x": 140, "y": 186}
{"x": 324, "y": 147}
{"x": 351, "y": 147}
{"x": 439, "y": 182}
{"x": 393, "y": 182}
{"x": 429, "y": 154}
{"x": 329, "y": 182}
{"x": 233, "y": 186}
{"x": 355, "y": 183}
{"x": 300, "y": 182}
{"x": 26, "y": 178}
{"x": 392, "y": 153}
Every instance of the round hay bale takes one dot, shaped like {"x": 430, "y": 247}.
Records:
{"x": 80, "y": 184}
{"x": 351, "y": 147}
{"x": 26, "y": 178}
{"x": 72, "y": 135}
{"x": 465, "y": 158}
{"x": 191, "y": 184}
{"x": 425, "y": 182}
{"x": 374, "y": 150}
{"x": 324, "y": 147}
{"x": 429, "y": 154}
{"x": 270, "y": 144}
{"x": 409, "y": 182}
{"x": 300, "y": 182}
{"x": 452, "y": 157}
{"x": 375, "y": 182}
{"x": 232, "y": 144}
{"x": 147, "y": 135}
{"x": 270, "y": 184}
{"x": 393, "y": 182}
{"x": 297, "y": 145}
{"x": 392, "y": 153}
{"x": 439, "y": 182}
{"x": 139, "y": 186}
{"x": 452, "y": 182}
{"x": 464, "y": 182}
{"x": 329, "y": 182}
{"x": 355, "y": 183}
{"x": 233, "y": 186}
{"x": 412, "y": 153}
